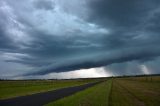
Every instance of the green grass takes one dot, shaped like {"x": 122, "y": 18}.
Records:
{"x": 127, "y": 91}
{"x": 10, "y": 89}
{"x": 131, "y": 91}
{"x": 97, "y": 95}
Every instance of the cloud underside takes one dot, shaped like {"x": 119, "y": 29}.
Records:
{"x": 43, "y": 37}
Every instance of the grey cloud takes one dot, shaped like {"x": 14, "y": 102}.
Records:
{"x": 127, "y": 68}
{"x": 44, "y": 4}
{"x": 6, "y": 43}
{"x": 131, "y": 54}
{"x": 124, "y": 13}
{"x": 133, "y": 37}
{"x": 154, "y": 23}
{"x": 4, "y": 39}
{"x": 134, "y": 68}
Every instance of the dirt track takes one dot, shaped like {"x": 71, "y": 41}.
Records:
{"x": 41, "y": 99}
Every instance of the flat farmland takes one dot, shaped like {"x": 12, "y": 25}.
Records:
{"x": 132, "y": 91}
{"x": 140, "y": 91}
{"x": 9, "y": 89}
{"x": 116, "y": 91}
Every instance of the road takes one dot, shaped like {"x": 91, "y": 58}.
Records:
{"x": 40, "y": 99}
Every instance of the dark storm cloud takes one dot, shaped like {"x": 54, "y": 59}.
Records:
{"x": 126, "y": 68}
{"x": 134, "y": 68}
{"x": 114, "y": 32}
{"x": 125, "y": 55}
{"x": 128, "y": 21}
{"x": 44, "y": 4}
{"x": 6, "y": 42}
{"x": 122, "y": 13}
{"x": 154, "y": 24}
{"x": 4, "y": 39}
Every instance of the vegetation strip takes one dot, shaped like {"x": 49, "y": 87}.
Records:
{"x": 10, "y": 89}
{"x": 40, "y": 99}
{"x": 97, "y": 95}
{"x": 110, "y": 94}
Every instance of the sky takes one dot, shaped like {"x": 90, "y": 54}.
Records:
{"x": 78, "y": 38}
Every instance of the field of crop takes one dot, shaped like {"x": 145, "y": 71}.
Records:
{"x": 10, "y": 89}
{"x": 142, "y": 91}
{"x": 132, "y": 91}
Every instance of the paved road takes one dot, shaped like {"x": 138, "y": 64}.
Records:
{"x": 40, "y": 99}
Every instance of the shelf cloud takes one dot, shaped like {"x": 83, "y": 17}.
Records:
{"x": 40, "y": 37}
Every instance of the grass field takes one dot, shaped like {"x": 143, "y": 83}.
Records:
{"x": 10, "y": 89}
{"x": 119, "y": 91}
{"x": 94, "y": 96}
{"x": 136, "y": 91}
{"x": 132, "y": 91}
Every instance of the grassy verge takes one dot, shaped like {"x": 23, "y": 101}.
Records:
{"x": 10, "y": 89}
{"x": 97, "y": 95}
